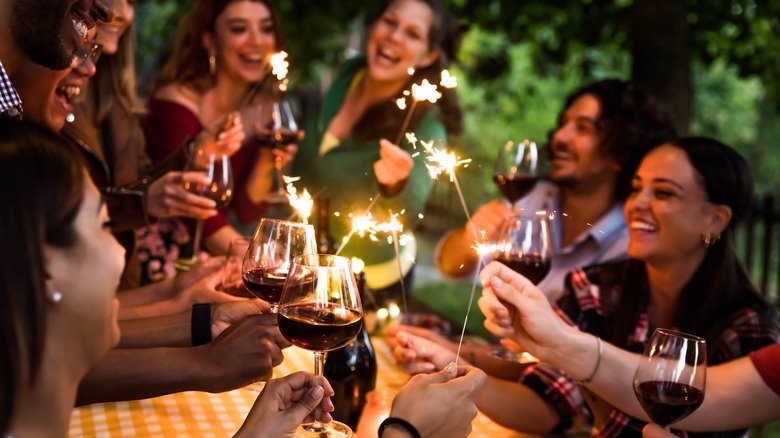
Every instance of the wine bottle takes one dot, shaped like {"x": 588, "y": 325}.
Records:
{"x": 325, "y": 243}
{"x": 351, "y": 370}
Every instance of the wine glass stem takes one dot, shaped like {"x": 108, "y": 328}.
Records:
{"x": 279, "y": 173}
{"x": 197, "y": 238}
{"x": 319, "y": 362}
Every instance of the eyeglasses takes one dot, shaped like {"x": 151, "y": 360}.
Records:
{"x": 89, "y": 50}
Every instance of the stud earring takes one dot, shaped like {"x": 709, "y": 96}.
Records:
{"x": 56, "y": 297}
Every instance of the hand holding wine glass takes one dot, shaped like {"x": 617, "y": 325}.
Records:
{"x": 517, "y": 169}
{"x": 217, "y": 186}
{"x": 232, "y": 278}
{"x": 669, "y": 380}
{"x": 282, "y": 131}
{"x": 524, "y": 246}
{"x": 320, "y": 310}
{"x": 269, "y": 257}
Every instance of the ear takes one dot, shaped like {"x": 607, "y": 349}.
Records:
{"x": 429, "y": 59}
{"x": 720, "y": 216}
{"x": 55, "y": 269}
{"x": 209, "y": 43}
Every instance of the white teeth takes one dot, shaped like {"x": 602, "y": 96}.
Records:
{"x": 70, "y": 91}
{"x": 642, "y": 226}
{"x": 81, "y": 27}
{"x": 254, "y": 58}
{"x": 387, "y": 54}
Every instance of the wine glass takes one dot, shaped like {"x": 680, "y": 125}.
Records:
{"x": 517, "y": 169}
{"x": 268, "y": 259}
{"x": 219, "y": 188}
{"x": 284, "y": 130}
{"x": 320, "y": 310}
{"x": 669, "y": 380}
{"x": 232, "y": 281}
{"x": 524, "y": 246}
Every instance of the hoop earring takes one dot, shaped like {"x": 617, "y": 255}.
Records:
{"x": 212, "y": 65}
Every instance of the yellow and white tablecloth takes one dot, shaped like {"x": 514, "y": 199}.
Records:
{"x": 201, "y": 414}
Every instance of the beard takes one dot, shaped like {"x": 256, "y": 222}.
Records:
{"x": 37, "y": 28}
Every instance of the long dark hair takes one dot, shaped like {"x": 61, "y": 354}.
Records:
{"x": 41, "y": 187}
{"x": 383, "y": 120}
{"x": 721, "y": 284}
{"x": 188, "y": 64}
{"x": 632, "y": 122}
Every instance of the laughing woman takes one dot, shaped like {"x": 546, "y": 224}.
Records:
{"x": 347, "y": 151}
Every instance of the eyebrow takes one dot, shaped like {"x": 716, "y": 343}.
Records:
{"x": 239, "y": 20}
{"x": 661, "y": 180}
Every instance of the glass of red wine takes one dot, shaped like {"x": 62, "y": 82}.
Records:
{"x": 524, "y": 246}
{"x": 232, "y": 281}
{"x": 284, "y": 131}
{"x": 669, "y": 380}
{"x": 517, "y": 169}
{"x": 218, "y": 188}
{"x": 320, "y": 310}
{"x": 269, "y": 257}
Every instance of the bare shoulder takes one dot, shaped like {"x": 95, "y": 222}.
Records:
{"x": 181, "y": 94}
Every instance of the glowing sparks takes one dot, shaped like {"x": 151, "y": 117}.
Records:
{"x": 279, "y": 65}
{"x": 447, "y": 80}
{"x": 411, "y": 138}
{"x": 401, "y": 103}
{"x": 441, "y": 161}
{"x": 484, "y": 249}
{"x": 425, "y": 91}
{"x": 302, "y": 203}
{"x": 410, "y": 70}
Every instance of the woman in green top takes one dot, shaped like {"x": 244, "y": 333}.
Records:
{"x": 346, "y": 152}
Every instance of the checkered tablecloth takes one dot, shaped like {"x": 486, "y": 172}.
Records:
{"x": 201, "y": 414}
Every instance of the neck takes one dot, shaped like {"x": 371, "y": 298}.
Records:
{"x": 374, "y": 91}
{"x": 224, "y": 97}
{"x": 666, "y": 281}
{"x": 584, "y": 207}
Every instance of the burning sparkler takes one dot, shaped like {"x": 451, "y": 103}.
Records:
{"x": 279, "y": 66}
{"x": 302, "y": 203}
{"x": 421, "y": 92}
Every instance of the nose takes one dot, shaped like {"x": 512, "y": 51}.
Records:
{"x": 105, "y": 10}
{"x": 87, "y": 69}
{"x": 638, "y": 200}
{"x": 562, "y": 134}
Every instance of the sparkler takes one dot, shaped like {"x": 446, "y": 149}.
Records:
{"x": 302, "y": 203}
{"x": 279, "y": 66}
{"x": 423, "y": 91}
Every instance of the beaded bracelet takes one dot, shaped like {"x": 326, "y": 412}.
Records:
{"x": 589, "y": 379}
{"x": 401, "y": 422}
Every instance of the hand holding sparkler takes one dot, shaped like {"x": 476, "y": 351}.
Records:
{"x": 393, "y": 168}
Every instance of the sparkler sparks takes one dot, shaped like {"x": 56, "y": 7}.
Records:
{"x": 447, "y": 80}
{"x": 279, "y": 67}
{"x": 425, "y": 91}
{"x": 401, "y": 103}
{"x": 302, "y": 203}
{"x": 441, "y": 161}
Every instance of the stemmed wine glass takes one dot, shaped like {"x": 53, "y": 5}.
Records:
{"x": 320, "y": 310}
{"x": 219, "y": 188}
{"x": 517, "y": 169}
{"x": 268, "y": 259}
{"x": 524, "y": 246}
{"x": 669, "y": 380}
{"x": 283, "y": 131}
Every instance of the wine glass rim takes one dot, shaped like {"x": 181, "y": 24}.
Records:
{"x": 284, "y": 222}
{"x": 527, "y": 215}
{"x": 677, "y": 333}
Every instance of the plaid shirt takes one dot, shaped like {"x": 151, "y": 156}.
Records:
{"x": 745, "y": 332}
{"x": 10, "y": 102}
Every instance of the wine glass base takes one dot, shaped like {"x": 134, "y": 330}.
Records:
{"x": 514, "y": 356}
{"x": 184, "y": 264}
{"x": 334, "y": 429}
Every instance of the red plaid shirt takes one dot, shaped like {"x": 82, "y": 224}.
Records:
{"x": 745, "y": 332}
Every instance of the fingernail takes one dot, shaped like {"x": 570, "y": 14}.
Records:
{"x": 317, "y": 391}
{"x": 451, "y": 368}
{"x": 496, "y": 283}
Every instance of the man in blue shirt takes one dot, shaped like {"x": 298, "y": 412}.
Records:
{"x": 603, "y": 132}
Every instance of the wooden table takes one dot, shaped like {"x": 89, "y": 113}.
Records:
{"x": 201, "y": 414}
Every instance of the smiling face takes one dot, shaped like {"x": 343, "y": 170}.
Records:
{"x": 577, "y": 158}
{"x": 47, "y": 94}
{"x": 108, "y": 34}
{"x": 87, "y": 274}
{"x": 668, "y": 210}
{"x": 399, "y": 40}
{"x": 242, "y": 42}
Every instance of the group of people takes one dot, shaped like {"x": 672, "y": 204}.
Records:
{"x": 93, "y": 185}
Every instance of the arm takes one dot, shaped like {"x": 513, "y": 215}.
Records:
{"x": 455, "y": 256}
{"x": 244, "y": 353}
{"x": 736, "y": 396}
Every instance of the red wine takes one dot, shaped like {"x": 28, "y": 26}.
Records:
{"x": 318, "y": 328}
{"x": 215, "y": 192}
{"x": 667, "y": 402}
{"x": 279, "y": 139}
{"x": 531, "y": 266}
{"x": 265, "y": 283}
{"x": 237, "y": 289}
{"x": 514, "y": 187}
